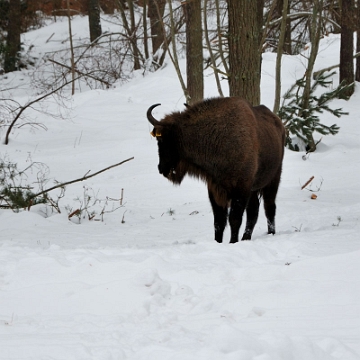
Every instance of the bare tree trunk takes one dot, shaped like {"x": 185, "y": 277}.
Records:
{"x": 156, "y": 12}
{"x": 13, "y": 36}
{"x": 220, "y": 37}
{"x": 133, "y": 35}
{"x": 72, "y": 57}
{"x": 334, "y": 13}
{"x": 315, "y": 32}
{"x": 270, "y": 16}
{"x": 173, "y": 55}
{"x": 245, "y": 31}
{"x": 194, "y": 51}
{"x": 146, "y": 46}
{"x": 130, "y": 30}
{"x": 347, "y": 46}
{"x": 94, "y": 19}
{"x": 279, "y": 56}
{"x": 357, "y": 72}
{"x": 287, "y": 43}
{"x": 212, "y": 56}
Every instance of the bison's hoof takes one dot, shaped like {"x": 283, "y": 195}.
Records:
{"x": 271, "y": 228}
{"x": 246, "y": 236}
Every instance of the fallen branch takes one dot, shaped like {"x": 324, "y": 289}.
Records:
{"x": 29, "y": 104}
{"x": 307, "y": 183}
{"x": 85, "y": 177}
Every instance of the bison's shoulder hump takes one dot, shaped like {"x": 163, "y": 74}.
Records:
{"x": 263, "y": 113}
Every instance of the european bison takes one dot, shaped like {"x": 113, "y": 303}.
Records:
{"x": 236, "y": 148}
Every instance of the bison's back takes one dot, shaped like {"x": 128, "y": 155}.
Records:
{"x": 220, "y": 137}
{"x": 226, "y": 122}
{"x": 230, "y": 143}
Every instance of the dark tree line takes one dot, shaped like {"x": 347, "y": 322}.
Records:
{"x": 245, "y": 39}
{"x": 246, "y": 28}
{"x": 194, "y": 51}
{"x": 94, "y": 19}
{"x": 348, "y": 25}
{"x": 12, "y": 44}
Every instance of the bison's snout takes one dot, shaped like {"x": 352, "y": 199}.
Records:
{"x": 164, "y": 170}
{"x": 169, "y": 173}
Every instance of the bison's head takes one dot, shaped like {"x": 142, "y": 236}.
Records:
{"x": 167, "y": 138}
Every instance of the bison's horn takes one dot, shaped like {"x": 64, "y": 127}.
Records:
{"x": 149, "y": 115}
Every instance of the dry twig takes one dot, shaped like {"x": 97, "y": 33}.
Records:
{"x": 307, "y": 183}
{"x": 80, "y": 179}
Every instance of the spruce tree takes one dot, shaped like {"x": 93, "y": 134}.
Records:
{"x": 304, "y": 122}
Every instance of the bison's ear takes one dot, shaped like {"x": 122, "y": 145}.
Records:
{"x": 157, "y": 132}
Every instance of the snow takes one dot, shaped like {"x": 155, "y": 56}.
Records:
{"x": 149, "y": 281}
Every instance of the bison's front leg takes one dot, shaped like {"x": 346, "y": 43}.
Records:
{"x": 238, "y": 205}
{"x": 220, "y": 218}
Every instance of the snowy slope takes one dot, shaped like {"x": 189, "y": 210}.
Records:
{"x": 149, "y": 281}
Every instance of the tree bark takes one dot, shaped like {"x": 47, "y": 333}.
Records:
{"x": 13, "y": 36}
{"x": 72, "y": 56}
{"x": 347, "y": 46}
{"x": 94, "y": 19}
{"x": 133, "y": 34}
{"x": 286, "y": 45}
{"x": 156, "y": 10}
{"x": 210, "y": 50}
{"x": 357, "y": 71}
{"x": 194, "y": 50}
{"x": 245, "y": 22}
{"x": 279, "y": 56}
{"x": 315, "y": 32}
{"x": 130, "y": 29}
{"x": 287, "y": 49}
{"x": 173, "y": 55}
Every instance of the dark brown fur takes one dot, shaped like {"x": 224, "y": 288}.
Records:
{"x": 235, "y": 148}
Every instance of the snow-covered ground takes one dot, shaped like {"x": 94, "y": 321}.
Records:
{"x": 149, "y": 281}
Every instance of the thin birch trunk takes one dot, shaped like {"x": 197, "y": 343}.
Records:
{"x": 173, "y": 55}
{"x": 72, "y": 57}
{"x": 279, "y": 57}
{"x": 212, "y": 57}
{"x": 315, "y": 32}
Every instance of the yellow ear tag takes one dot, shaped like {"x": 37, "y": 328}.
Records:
{"x": 156, "y": 133}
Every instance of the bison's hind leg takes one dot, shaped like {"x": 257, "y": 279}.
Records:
{"x": 252, "y": 213}
{"x": 269, "y": 196}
